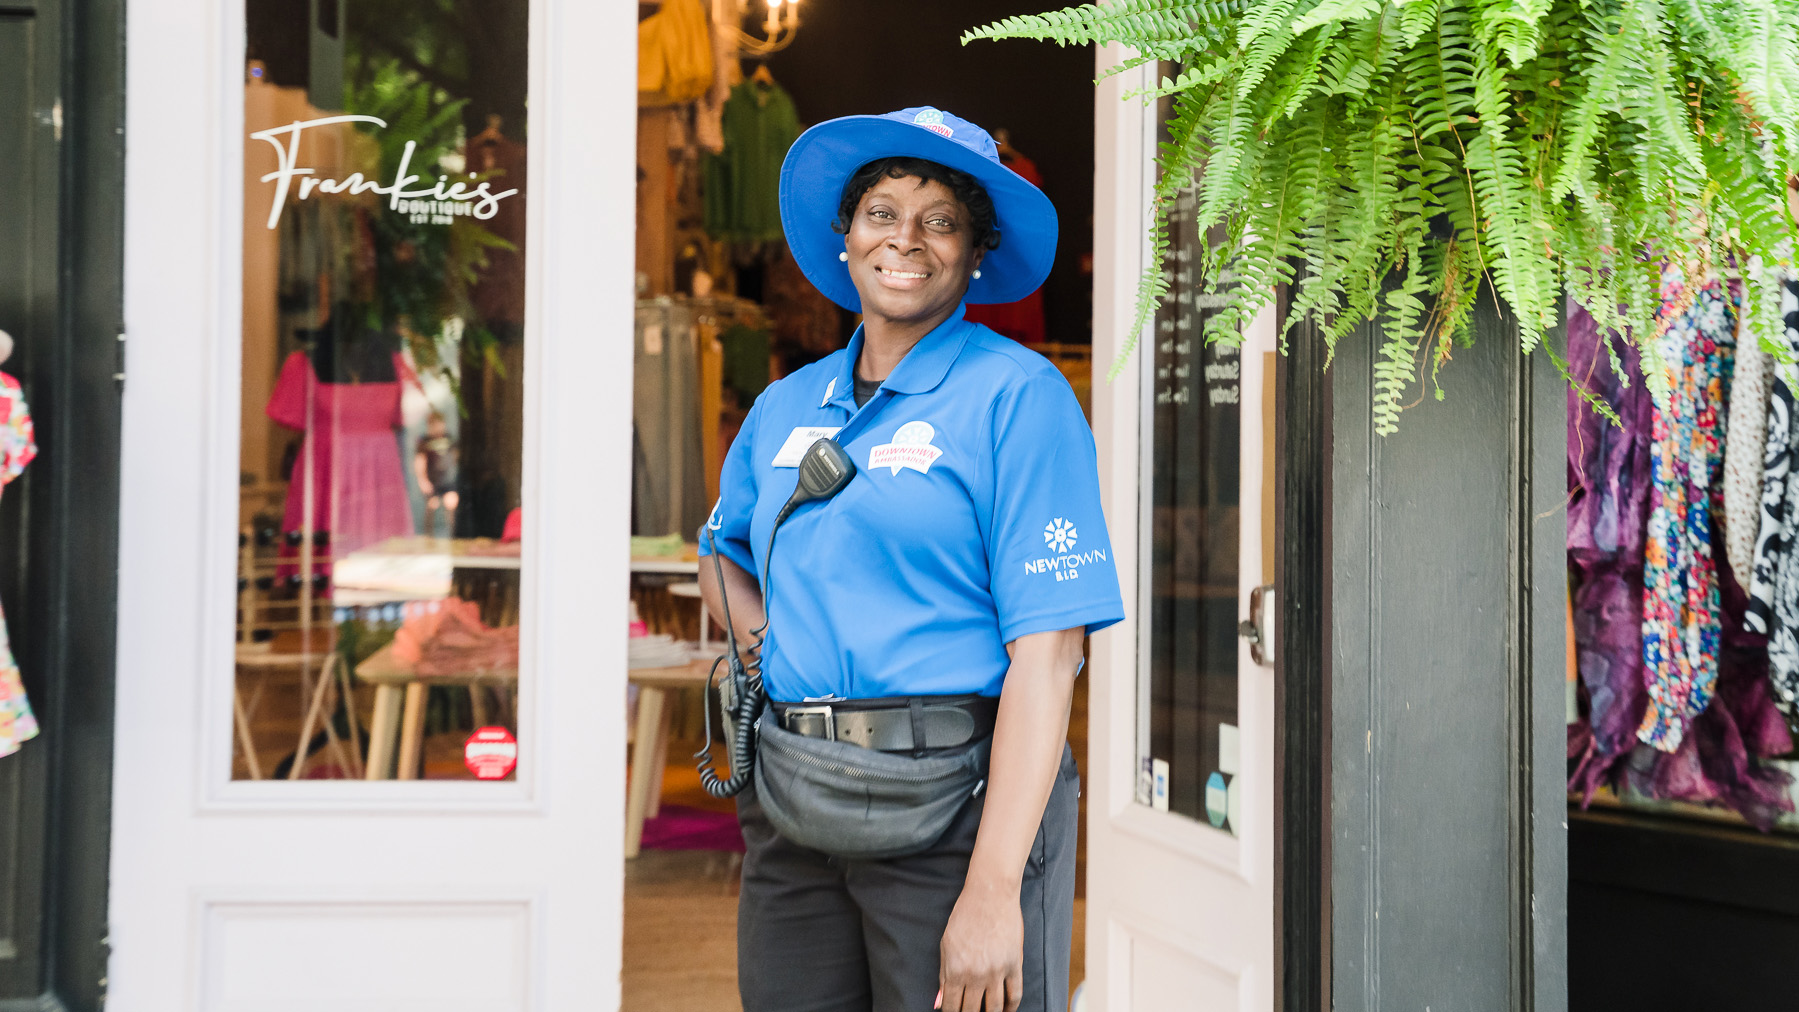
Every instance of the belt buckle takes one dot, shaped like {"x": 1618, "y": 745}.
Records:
{"x": 825, "y": 711}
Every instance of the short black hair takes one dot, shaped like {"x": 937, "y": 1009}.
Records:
{"x": 961, "y": 185}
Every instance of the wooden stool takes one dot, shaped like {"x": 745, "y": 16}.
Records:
{"x": 649, "y": 747}
{"x": 399, "y": 720}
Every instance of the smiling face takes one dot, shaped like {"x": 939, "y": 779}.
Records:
{"x": 911, "y": 251}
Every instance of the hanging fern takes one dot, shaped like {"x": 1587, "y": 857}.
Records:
{"x": 1388, "y": 158}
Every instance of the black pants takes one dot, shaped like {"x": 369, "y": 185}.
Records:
{"x": 817, "y": 933}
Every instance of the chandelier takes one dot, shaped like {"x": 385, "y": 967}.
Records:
{"x": 779, "y": 26}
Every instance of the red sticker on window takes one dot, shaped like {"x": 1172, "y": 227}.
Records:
{"x": 491, "y": 753}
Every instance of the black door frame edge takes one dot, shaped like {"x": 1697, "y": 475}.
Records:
{"x": 1302, "y": 676}
{"x": 74, "y": 578}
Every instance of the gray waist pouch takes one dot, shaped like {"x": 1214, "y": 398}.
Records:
{"x": 856, "y": 803}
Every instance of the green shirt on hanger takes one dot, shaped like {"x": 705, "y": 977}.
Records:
{"x": 742, "y": 195}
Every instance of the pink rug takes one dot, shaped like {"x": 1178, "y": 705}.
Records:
{"x": 683, "y": 828}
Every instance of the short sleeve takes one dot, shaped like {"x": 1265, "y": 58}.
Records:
{"x": 287, "y": 405}
{"x": 1048, "y": 551}
{"x": 736, "y": 506}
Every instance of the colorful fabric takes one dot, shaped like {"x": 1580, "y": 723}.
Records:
{"x": 17, "y": 448}
{"x": 1774, "y": 592}
{"x": 1608, "y": 515}
{"x": 1682, "y": 626}
{"x": 1745, "y": 444}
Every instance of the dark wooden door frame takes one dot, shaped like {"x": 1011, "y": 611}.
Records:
{"x": 1301, "y": 693}
{"x": 61, "y": 520}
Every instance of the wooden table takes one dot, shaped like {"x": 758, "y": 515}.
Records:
{"x": 649, "y": 746}
{"x": 399, "y": 718}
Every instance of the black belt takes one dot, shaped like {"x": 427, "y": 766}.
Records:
{"x": 900, "y": 724}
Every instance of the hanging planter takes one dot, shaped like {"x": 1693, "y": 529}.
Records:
{"x": 1387, "y": 159}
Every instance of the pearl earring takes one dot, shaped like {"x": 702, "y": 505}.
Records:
{"x": 977, "y": 274}
{"x": 844, "y": 256}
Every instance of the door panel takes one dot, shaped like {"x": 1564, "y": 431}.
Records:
{"x": 1181, "y": 823}
{"x": 356, "y": 893}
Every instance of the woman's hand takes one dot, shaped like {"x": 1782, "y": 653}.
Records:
{"x": 983, "y": 950}
{"x": 982, "y": 968}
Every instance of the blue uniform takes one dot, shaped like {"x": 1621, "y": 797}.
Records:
{"x": 974, "y": 519}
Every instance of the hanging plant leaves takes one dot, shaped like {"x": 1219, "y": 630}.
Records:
{"x": 1388, "y": 159}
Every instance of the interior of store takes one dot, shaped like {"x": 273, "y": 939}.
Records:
{"x": 723, "y": 311}
{"x": 1682, "y": 673}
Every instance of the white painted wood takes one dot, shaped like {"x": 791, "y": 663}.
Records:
{"x": 211, "y": 879}
{"x": 1179, "y": 915}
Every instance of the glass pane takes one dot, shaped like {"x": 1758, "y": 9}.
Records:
{"x": 1188, "y": 741}
{"x": 383, "y": 389}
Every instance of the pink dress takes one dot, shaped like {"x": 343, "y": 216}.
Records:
{"x": 350, "y": 458}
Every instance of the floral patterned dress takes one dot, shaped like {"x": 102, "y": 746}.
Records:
{"x": 1682, "y": 623}
{"x": 17, "y": 447}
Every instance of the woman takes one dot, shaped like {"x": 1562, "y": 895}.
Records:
{"x": 933, "y": 611}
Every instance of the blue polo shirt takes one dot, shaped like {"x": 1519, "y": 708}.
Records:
{"x": 973, "y": 519}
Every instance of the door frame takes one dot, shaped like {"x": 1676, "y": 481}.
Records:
{"x": 63, "y": 514}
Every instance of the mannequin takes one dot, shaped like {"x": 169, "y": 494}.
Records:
{"x": 17, "y": 448}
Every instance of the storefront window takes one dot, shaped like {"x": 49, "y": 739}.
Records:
{"x": 1187, "y": 738}
{"x": 382, "y": 425}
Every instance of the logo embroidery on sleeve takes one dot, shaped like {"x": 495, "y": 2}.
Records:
{"x": 911, "y": 447}
{"x": 1060, "y": 538}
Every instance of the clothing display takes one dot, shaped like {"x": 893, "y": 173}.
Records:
{"x": 1021, "y": 320}
{"x": 1681, "y": 622}
{"x": 669, "y": 484}
{"x": 18, "y": 446}
{"x": 742, "y": 185}
{"x": 1673, "y": 680}
{"x": 1774, "y": 591}
{"x": 1745, "y": 445}
{"x": 349, "y": 461}
{"x": 674, "y": 52}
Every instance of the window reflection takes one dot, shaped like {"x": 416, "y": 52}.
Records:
{"x": 383, "y": 359}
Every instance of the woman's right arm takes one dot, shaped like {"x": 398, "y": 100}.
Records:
{"x": 745, "y": 597}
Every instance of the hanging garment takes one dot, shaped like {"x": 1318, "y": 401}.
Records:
{"x": 1774, "y": 592}
{"x": 17, "y": 448}
{"x": 1022, "y": 320}
{"x": 350, "y": 458}
{"x": 742, "y": 186}
{"x": 1608, "y": 515}
{"x": 1696, "y": 339}
{"x": 674, "y": 52}
{"x": 668, "y": 474}
{"x": 1745, "y": 445}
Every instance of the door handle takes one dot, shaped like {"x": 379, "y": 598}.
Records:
{"x": 1258, "y": 628}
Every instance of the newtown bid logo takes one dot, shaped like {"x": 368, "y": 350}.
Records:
{"x": 1060, "y": 538}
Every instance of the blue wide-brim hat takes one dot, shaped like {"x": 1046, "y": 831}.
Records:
{"x": 823, "y": 159}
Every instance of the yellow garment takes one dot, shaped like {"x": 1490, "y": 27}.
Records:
{"x": 674, "y": 52}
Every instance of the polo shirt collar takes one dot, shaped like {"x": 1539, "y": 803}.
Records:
{"x": 919, "y": 372}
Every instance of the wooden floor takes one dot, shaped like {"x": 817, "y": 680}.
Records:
{"x": 681, "y": 906}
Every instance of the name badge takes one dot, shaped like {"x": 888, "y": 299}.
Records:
{"x": 799, "y": 442}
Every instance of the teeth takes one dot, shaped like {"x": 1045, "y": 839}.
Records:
{"x": 899, "y": 274}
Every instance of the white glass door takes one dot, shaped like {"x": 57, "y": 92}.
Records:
{"x": 373, "y": 565}
{"x": 1180, "y": 894}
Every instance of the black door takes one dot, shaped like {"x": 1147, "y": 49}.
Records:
{"x": 61, "y": 201}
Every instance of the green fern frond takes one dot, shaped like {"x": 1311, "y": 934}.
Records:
{"x": 1390, "y": 160}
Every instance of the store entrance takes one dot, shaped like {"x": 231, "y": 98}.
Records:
{"x": 722, "y": 312}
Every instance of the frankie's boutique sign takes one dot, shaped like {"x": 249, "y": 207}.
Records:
{"x": 435, "y": 204}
